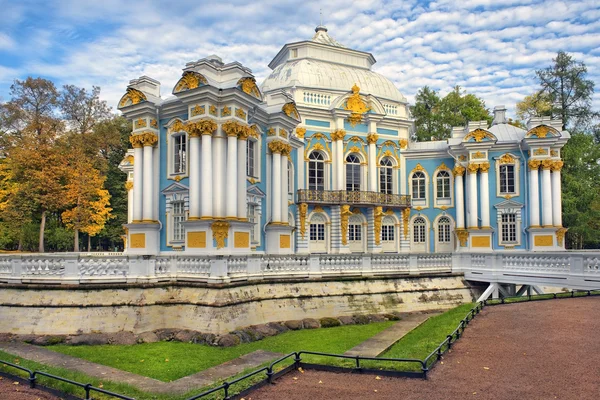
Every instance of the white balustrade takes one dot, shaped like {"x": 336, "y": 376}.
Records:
{"x": 103, "y": 267}
{"x": 390, "y": 263}
{"x": 591, "y": 265}
{"x": 43, "y": 266}
{"x": 434, "y": 262}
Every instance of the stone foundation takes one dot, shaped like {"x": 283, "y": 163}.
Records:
{"x": 218, "y": 309}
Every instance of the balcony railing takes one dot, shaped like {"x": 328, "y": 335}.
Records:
{"x": 356, "y": 198}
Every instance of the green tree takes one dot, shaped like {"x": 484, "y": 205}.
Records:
{"x": 568, "y": 90}
{"x": 535, "y": 105}
{"x": 435, "y": 118}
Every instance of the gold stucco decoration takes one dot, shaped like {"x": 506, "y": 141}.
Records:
{"x": 290, "y": 110}
{"x": 140, "y": 123}
{"x": 234, "y": 128}
{"x": 143, "y": 139}
{"x": 534, "y": 164}
{"x": 541, "y": 131}
{"x": 357, "y": 106}
{"x": 462, "y": 157}
{"x": 188, "y": 81}
{"x": 153, "y": 123}
{"x": 560, "y": 236}
{"x": 484, "y": 167}
{"x": 212, "y": 110}
{"x": 344, "y": 214}
{"x": 458, "y": 170}
{"x": 302, "y": 209}
{"x": 372, "y": 138}
{"x": 540, "y": 152}
{"x": 205, "y": 126}
{"x": 418, "y": 168}
{"x": 403, "y": 143}
{"x": 507, "y": 159}
{"x": 405, "y": 218}
{"x": 378, "y": 215}
{"x": 283, "y": 133}
{"x": 198, "y": 110}
{"x": 128, "y": 185}
{"x": 479, "y": 135}
{"x": 473, "y": 168}
{"x": 129, "y": 158}
{"x": 254, "y": 132}
{"x": 557, "y": 166}
{"x": 553, "y": 153}
{"x": 220, "y": 231}
{"x": 132, "y": 96}
{"x": 300, "y": 132}
{"x": 271, "y": 132}
{"x": 226, "y": 111}
{"x": 547, "y": 164}
{"x": 462, "y": 235}
{"x": 248, "y": 86}
{"x": 338, "y": 135}
{"x": 478, "y": 155}
{"x": 277, "y": 146}
{"x": 240, "y": 113}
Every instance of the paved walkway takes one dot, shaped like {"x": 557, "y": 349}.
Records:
{"x": 385, "y": 339}
{"x": 183, "y": 385}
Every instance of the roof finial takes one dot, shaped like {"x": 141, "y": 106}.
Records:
{"x": 320, "y": 16}
{"x": 321, "y": 27}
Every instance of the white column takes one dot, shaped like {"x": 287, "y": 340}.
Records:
{"x": 195, "y": 189}
{"x": 138, "y": 179}
{"x": 276, "y": 188}
{"x": 484, "y": 191}
{"x": 473, "y": 196}
{"x": 334, "y": 166}
{"x": 219, "y": 178}
{"x": 460, "y": 200}
{"x": 207, "y": 177}
{"x": 534, "y": 194}
{"x": 148, "y": 206}
{"x": 301, "y": 165}
{"x": 373, "y": 166}
{"x": 130, "y": 188}
{"x": 546, "y": 195}
{"x": 284, "y": 188}
{"x": 242, "y": 207}
{"x": 231, "y": 197}
{"x": 556, "y": 195}
{"x": 340, "y": 165}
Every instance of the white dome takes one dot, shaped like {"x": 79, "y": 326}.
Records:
{"x": 315, "y": 74}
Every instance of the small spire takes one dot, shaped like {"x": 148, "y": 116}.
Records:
{"x": 321, "y": 28}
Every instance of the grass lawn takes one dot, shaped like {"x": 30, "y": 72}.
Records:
{"x": 168, "y": 361}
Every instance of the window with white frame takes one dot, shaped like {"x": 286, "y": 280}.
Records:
{"x": 290, "y": 178}
{"x": 251, "y": 158}
{"x": 507, "y": 179}
{"x": 316, "y": 171}
{"x": 352, "y": 173}
{"x": 418, "y": 186}
{"x": 509, "y": 228}
{"x": 387, "y": 229}
{"x": 317, "y": 228}
{"x": 385, "y": 175}
{"x": 419, "y": 229}
{"x": 178, "y": 219}
{"x": 444, "y": 230}
{"x": 253, "y": 218}
{"x": 355, "y": 232}
{"x": 443, "y": 185}
{"x": 179, "y": 154}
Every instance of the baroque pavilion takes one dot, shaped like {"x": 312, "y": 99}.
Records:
{"x": 319, "y": 159}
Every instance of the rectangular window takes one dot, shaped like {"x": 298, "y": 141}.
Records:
{"x": 385, "y": 180}
{"x": 355, "y": 232}
{"x": 509, "y": 228}
{"x": 444, "y": 233}
{"x": 317, "y": 232}
{"x": 250, "y": 158}
{"x": 253, "y": 218}
{"x": 419, "y": 234}
{"x": 387, "y": 233}
{"x": 418, "y": 189}
{"x": 178, "y": 219}
{"x": 179, "y": 154}
{"x": 316, "y": 175}
{"x": 507, "y": 179}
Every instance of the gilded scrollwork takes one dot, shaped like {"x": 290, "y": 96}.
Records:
{"x": 479, "y": 135}
{"x": 403, "y": 143}
{"x": 344, "y": 215}
{"x": 290, "y": 110}
{"x": 302, "y": 209}
{"x": 189, "y": 80}
{"x": 484, "y": 167}
{"x": 541, "y": 131}
{"x": 557, "y": 165}
{"x": 372, "y": 138}
{"x": 458, "y": 170}
{"x": 507, "y": 159}
{"x": 357, "y": 106}
{"x": 248, "y": 86}
{"x": 405, "y": 219}
{"x": 240, "y": 113}
{"x": 132, "y": 96}
{"x": 220, "y": 231}
{"x": 534, "y": 164}
{"x": 378, "y": 216}
{"x": 338, "y": 135}
{"x": 547, "y": 164}
{"x": 473, "y": 168}
{"x": 300, "y": 132}
{"x": 462, "y": 235}
{"x": 226, "y": 112}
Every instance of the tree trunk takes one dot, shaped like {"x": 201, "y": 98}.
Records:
{"x": 76, "y": 241}
{"x": 89, "y": 243}
{"x": 42, "y": 227}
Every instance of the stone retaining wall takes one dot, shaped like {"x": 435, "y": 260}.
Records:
{"x": 62, "y": 310}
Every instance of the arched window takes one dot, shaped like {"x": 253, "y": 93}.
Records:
{"x": 385, "y": 175}
{"x": 387, "y": 229}
{"x": 444, "y": 230}
{"x": 419, "y": 226}
{"x": 352, "y": 173}
{"x": 316, "y": 171}
{"x": 418, "y": 186}
{"x": 443, "y": 185}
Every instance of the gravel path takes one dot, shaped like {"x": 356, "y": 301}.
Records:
{"x": 538, "y": 350}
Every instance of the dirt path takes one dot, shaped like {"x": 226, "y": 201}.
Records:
{"x": 12, "y": 389}
{"x": 538, "y": 350}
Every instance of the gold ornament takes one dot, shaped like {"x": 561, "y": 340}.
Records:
{"x": 338, "y": 135}
{"x": 557, "y": 165}
{"x": 290, "y": 110}
{"x": 462, "y": 235}
{"x": 271, "y": 132}
{"x": 240, "y": 113}
{"x": 372, "y": 138}
{"x": 300, "y": 132}
{"x": 540, "y": 152}
{"x": 534, "y": 164}
{"x": 560, "y": 236}
{"x": 188, "y": 81}
{"x": 541, "y": 131}
{"x": 378, "y": 214}
{"x": 248, "y": 86}
{"x": 140, "y": 123}
{"x": 458, "y": 170}
{"x": 357, "y": 106}
{"x": 128, "y": 185}
{"x": 478, "y": 155}
{"x": 345, "y": 213}
{"x": 212, "y": 110}
{"x": 220, "y": 231}
{"x": 226, "y": 112}
{"x": 473, "y": 168}
{"x": 197, "y": 110}
{"x": 403, "y": 143}
{"x": 405, "y": 218}
{"x": 132, "y": 96}
{"x": 478, "y": 135}
{"x": 507, "y": 159}
{"x": 302, "y": 209}
{"x": 547, "y": 164}
{"x": 484, "y": 166}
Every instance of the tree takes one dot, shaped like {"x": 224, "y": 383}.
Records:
{"x": 435, "y": 118}
{"x": 87, "y": 199}
{"x": 426, "y": 114}
{"x": 570, "y": 94}
{"x": 535, "y": 105}
{"x": 83, "y": 110}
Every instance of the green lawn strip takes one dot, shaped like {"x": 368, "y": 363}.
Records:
{"x": 184, "y": 359}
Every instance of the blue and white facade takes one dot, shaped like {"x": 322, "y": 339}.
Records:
{"x": 319, "y": 160}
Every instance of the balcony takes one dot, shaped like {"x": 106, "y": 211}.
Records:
{"x": 354, "y": 198}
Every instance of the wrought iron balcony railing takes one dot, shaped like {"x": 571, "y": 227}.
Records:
{"x": 356, "y": 198}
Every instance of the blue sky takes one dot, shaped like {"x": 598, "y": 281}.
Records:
{"x": 491, "y": 48}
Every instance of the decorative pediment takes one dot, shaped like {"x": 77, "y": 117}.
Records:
{"x": 480, "y": 135}
{"x": 542, "y": 132}
{"x": 254, "y": 190}
{"x": 357, "y": 105}
{"x": 131, "y": 97}
{"x": 248, "y": 86}
{"x": 508, "y": 205}
{"x": 290, "y": 110}
{"x": 189, "y": 80}
{"x": 175, "y": 188}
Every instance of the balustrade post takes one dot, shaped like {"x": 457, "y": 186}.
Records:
{"x": 173, "y": 268}
{"x": 315, "y": 266}
{"x": 71, "y": 274}
{"x": 218, "y": 270}
{"x": 254, "y": 272}
{"x": 141, "y": 269}
{"x": 413, "y": 264}
{"x": 458, "y": 262}
{"x": 576, "y": 278}
{"x": 17, "y": 270}
{"x": 367, "y": 266}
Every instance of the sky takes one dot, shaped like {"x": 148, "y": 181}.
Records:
{"x": 491, "y": 48}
